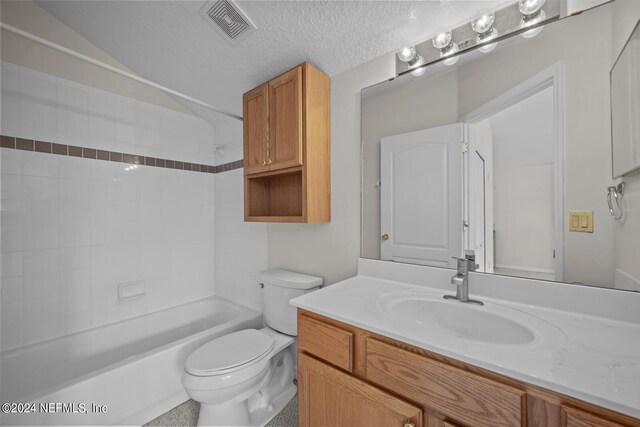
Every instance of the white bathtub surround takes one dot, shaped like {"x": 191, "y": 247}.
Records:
{"x": 73, "y": 229}
{"x": 240, "y": 247}
{"x": 591, "y": 354}
{"x": 134, "y": 366}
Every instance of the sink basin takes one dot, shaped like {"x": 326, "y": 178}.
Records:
{"x": 492, "y": 324}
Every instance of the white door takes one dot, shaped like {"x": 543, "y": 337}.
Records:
{"x": 421, "y": 196}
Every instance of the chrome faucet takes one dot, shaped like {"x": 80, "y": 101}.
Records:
{"x": 461, "y": 279}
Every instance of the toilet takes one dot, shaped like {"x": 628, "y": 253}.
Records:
{"x": 245, "y": 378}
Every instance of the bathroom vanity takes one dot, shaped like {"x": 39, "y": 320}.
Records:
{"x": 384, "y": 348}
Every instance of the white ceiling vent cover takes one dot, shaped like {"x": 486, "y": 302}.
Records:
{"x": 229, "y": 19}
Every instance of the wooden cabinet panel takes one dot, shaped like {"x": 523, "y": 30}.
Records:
{"x": 452, "y": 392}
{"x": 285, "y": 120}
{"x": 330, "y": 397}
{"x": 326, "y": 342}
{"x": 287, "y": 132}
{"x": 255, "y": 106}
{"x": 572, "y": 417}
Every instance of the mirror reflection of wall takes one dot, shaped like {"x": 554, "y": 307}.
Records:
{"x": 535, "y": 121}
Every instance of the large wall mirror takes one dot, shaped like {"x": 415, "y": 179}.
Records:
{"x": 509, "y": 154}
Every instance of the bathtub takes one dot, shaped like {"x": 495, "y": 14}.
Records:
{"x": 123, "y": 373}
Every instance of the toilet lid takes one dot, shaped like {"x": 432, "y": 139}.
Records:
{"x": 229, "y": 352}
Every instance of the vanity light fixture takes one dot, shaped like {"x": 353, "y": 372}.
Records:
{"x": 448, "y": 48}
{"x": 483, "y": 26}
{"x": 532, "y": 14}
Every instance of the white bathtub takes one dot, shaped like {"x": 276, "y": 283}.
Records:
{"x": 133, "y": 367}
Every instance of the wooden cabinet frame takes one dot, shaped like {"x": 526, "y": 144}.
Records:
{"x": 287, "y": 154}
{"x": 539, "y": 407}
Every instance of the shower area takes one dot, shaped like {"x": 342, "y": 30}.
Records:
{"x": 107, "y": 227}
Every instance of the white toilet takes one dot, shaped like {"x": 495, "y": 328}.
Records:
{"x": 246, "y": 377}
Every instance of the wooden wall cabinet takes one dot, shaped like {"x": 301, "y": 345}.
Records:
{"x": 348, "y": 376}
{"x": 287, "y": 159}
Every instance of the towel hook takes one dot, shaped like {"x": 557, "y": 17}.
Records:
{"x": 617, "y": 191}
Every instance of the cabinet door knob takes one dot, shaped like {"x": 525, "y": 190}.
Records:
{"x": 385, "y": 236}
{"x": 409, "y": 425}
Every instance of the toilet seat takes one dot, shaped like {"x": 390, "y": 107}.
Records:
{"x": 229, "y": 353}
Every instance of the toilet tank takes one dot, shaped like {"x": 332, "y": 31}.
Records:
{"x": 280, "y": 286}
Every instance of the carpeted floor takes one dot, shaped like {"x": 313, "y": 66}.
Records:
{"x": 187, "y": 415}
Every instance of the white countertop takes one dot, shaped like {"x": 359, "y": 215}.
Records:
{"x": 596, "y": 359}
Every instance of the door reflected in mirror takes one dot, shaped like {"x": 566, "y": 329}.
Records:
{"x": 500, "y": 153}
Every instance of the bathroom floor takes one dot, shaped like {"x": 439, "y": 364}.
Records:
{"x": 187, "y": 415}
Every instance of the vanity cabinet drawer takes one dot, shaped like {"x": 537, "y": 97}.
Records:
{"x": 327, "y": 342}
{"x": 454, "y": 393}
{"x": 571, "y": 417}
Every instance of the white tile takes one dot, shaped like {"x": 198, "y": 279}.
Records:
{"x": 102, "y": 103}
{"x": 11, "y": 187}
{"x": 10, "y": 161}
{"x": 73, "y": 190}
{"x": 74, "y": 212}
{"x": 79, "y": 322}
{"x": 11, "y": 316}
{"x": 34, "y": 117}
{"x": 75, "y": 280}
{"x": 40, "y": 237}
{"x": 11, "y": 213}
{"x": 10, "y": 117}
{"x": 75, "y": 234}
{"x": 40, "y": 164}
{"x": 42, "y": 310}
{"x": 39, "y": 188}
{"x": 38, "y": 86}
{"x": 34, "y": 333}
{"x": 74, "y": 167}
{"x": 76, "y": 302}
{"x": 11, "y": 264}
{"x": 73, "y": 122}
{"x": 9, "y": 77}
{"x": 41, "y": 212}
{"x": 41, "y": 262}
{"x": 11, "y": 289}
{"x": 11, "y": 339}
{"x": 73, "y": 96}
{"x": 11, "y": 238}
{"x": 41, "y": 286}
{"x": 75, "y": 258}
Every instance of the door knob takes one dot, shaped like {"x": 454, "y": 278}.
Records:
{"x": 409, "y": 425}
{"x": 385, "y": 236}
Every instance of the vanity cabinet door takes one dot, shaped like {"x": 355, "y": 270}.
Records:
{"x": 572, "y": 417}
{"x": 330, "y": 397}
{"x": 285, "y": 120}
{"x": 255, "y": 106}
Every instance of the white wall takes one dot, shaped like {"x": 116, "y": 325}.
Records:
{"x": 73, "y": 229}
{"x": 523, "y": 217}
{"x": 240, "y": 247}
{"x": 331, "y": 250}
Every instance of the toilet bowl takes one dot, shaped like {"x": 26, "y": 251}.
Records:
{"x": 245, "y": 378}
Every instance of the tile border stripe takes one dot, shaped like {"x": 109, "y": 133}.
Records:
{"x": 92, "y": 153}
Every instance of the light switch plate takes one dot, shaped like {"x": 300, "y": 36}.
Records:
{"x": 581, "y": 221}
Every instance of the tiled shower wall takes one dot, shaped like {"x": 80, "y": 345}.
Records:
{"x": 75, "y": 228}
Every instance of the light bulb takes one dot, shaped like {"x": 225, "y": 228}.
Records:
{"x": 407, "y": 54}
{"x": 530, "y": 7}
{"x": 449, "y": 52}
{"x": 483, "y": 23}
{"x": 483, "y": 38}
{"x": 419, "y": 71}
{"x": 442, "y": 40}
{"x": 524, "y": 23}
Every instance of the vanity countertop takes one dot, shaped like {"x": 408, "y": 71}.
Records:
{"x": 592, "y": 358}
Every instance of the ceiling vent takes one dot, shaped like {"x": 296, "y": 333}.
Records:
{"x": 229, "y": 19}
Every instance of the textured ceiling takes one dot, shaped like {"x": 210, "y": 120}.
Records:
{"x": 171, "y": 43}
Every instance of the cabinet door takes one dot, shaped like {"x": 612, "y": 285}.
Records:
{"x": 572, "y": 417}
{"x": 330, "y": 397}
{"x": 285, "y": 120}
{"x": 256, "y": 129}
